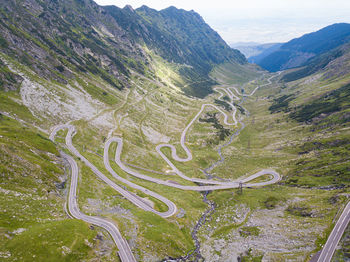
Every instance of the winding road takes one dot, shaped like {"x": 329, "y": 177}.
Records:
{"x": 209, "y": 184}
{"x": 124, "y": 250}
{"x": 136, "y": 200}
{"x": 217, "y": 184}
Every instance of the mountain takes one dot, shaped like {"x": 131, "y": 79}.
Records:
{"x": 299, "y": 51}
{"x": 59, "y": 39}
{"x": 190, "y": 40}
{"x": 263, "y": 51}
{"x": 135, "y": 74}
{"x": 109, "y": 124}
{"x": 253, "y": 50}
{"x": 320, "y": 102}
{"x": 321, "y": 63}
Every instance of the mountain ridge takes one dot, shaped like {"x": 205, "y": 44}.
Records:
{"x": 297, "y": 52}
{"x": 81, "y": 36}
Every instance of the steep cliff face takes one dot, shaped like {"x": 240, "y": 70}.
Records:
{"x": 191, "y": 40}
{"x": 60, "y": 38}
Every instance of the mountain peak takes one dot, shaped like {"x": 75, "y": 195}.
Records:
{"x": 129, "y": 8}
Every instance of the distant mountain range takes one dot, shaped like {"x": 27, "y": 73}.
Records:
{"x": 253, "y": 50}
{"x": 304, "y": 50}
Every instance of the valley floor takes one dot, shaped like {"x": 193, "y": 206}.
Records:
{"x": 169, "y": 153}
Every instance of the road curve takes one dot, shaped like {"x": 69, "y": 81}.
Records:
{"x": 335, "y": 236}
{"x": 171, "y": 206}
{"x": 183, "y": 135}
{"x": 124, "y": 252}
{"x": 230, "y": 94}
{"x": 217, "y": 184}
{"x": 253, "y": 92}
{"x": 214, "y": 184}
{"x": 136, "y": 200}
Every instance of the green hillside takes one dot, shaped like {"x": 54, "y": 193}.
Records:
{"x": 273, "y": 148}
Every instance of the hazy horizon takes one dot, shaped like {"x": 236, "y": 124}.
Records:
{"x": 267, "y": 21}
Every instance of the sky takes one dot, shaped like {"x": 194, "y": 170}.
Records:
{"x": 261, "y": 21}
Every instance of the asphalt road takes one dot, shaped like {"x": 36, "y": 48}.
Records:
{"x": 124, "y": 249}
{"x": 138, "y": 201}
{"x": 125, "y": 252}
{"x": 171, "y": 206}
{"x": 335, "y": 236}
{"x": 216, "y": 184}
{"x": 183, "y": 135}
{"x": 230, "y": 94}
{"x": 253, "y": 92}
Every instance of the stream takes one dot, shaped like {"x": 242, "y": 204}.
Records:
{"x": 195, "y": 255}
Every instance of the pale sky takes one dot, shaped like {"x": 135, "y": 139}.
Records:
{"x": 262, "y": 21}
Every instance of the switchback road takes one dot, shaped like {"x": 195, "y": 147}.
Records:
{"x": 138, "y": 201}
{"x": 125, "y": 252}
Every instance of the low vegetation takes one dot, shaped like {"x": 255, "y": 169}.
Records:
{"x": 221, "y": 132}
{"x": 247, "y": 231}
{"x": 32, "y": 196}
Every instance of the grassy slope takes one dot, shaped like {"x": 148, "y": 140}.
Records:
{"x": 276, "y": 141}
{"x": 269, "y": 140}
{"x": 30, "y": 200}
{"x": 149, "y": 105}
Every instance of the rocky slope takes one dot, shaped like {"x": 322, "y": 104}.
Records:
{"x": 301, "y": 128}
{"x": 108, "y": 72}
{"x": 59, "y": 39}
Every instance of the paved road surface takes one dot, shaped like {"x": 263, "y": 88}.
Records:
{"x": 124, "y": 249}
{"x": 335, "y": 236}
{"x": 253, "y": 92}
{"x": 138, "y": 201}
{"x": 231, "y": 95}
{"x": 125, "y": 252}
{"x": 217, "y": 184}
{"x": 183, "y": 135}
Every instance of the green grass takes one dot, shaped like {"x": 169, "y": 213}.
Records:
{"x": 248, "y": 256}
{"x": 104, "y": 96}
{"x": 31, "y": 200}
{"x": 65, "y": 240}
{"x": 9, "y": 105}
{"x": 225, "y": 230}
{"x": 247, "y": 231}
{"x": 165, "y": 236}
{"x": 234, "y": 73}
{"x": 304, "y": 155}
{"x": 12, "y": 130}
{"x": 343, "y": 254}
